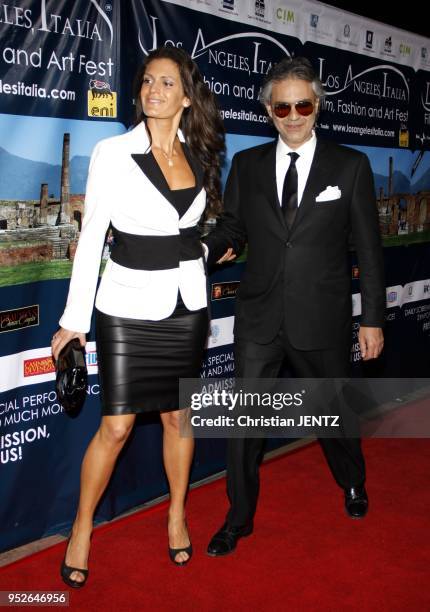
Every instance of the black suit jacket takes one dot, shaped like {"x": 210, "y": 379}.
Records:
{"x": 302, "y": 274}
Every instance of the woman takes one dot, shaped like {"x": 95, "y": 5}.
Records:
{"x": 152, "y": 185}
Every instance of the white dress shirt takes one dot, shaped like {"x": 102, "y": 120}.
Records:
{"x": 303, "y": 164}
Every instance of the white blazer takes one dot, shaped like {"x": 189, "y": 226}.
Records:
{"x": 119, "y": 192}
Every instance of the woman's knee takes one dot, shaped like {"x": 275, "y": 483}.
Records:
{"x": 176, "y": 421}
{"x": 115, "y": 431}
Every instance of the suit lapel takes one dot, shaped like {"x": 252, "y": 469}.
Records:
{"x": 317, "y": 177}
{"x": 149, "y": 166}
{"x": 267, "y": 174}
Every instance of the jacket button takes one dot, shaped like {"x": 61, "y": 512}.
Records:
{"x": 288, "y": 244}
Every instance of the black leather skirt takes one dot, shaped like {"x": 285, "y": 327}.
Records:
{"x": 140, "y": 361}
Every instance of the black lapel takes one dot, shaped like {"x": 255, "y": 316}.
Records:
{"x": 195, "y": 165}
{"x": 148, "y": 164}
{"x": 267, "y": 179}
{"x": 317, "y": 177}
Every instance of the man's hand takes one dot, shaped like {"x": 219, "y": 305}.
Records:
{"x": 371, "y": 341}
{"x": 228, "y": 256}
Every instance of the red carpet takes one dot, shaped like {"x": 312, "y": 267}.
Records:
{"x": 305, "y": 553}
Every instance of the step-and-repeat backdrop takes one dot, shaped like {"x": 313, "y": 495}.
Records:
{"x": 66, "y": 70}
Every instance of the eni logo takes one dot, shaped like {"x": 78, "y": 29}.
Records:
{"x": 101, "y": 100}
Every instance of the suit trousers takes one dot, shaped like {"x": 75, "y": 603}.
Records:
{"x": 344, "y": 455}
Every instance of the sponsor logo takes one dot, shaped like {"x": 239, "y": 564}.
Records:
{"x": 405, "y": 49}
{"x": 388, "y": 44}
{"x": 424, "y": 53}
{"x": 426, "y": 288}
{"x": 221, "y": 332}
{"x": 285, "y": 15}
{"x": 410, "y": 290}
{"x": 38, "y": 365}
{"x": 215, "y": 332}
{"x": 19, "y": 318}
{"x": 314, "y": 20}
{"x": 355, "y": 272}
{"x": 228, "y": 4}
{"x": 222, "y": 291}
{"x": 391, "y": 297}
{"x": 102, "y": 101}
{"x": 91, "y": 358}
{"x": 403, "y": 136}
{"x": 356, "y": 304}
{"x": 259, "y": 8}
{"x": 347, "y": 30}
{"x": 369, "y": 39}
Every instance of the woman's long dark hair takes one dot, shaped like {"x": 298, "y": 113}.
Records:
{"x": 201, "y": 123}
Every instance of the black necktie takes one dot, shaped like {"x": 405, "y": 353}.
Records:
{"x": 289, "y": 191}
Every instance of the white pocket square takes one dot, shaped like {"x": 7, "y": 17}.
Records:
{"x": 329, "y": 193}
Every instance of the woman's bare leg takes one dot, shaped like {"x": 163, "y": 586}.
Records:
{"x": 97, "y": 467}
{"x": 177, "y": 454}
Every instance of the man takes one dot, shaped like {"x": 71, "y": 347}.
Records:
{"x": 298, "y": 201}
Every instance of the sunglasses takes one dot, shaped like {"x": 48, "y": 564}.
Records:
{"x": 283, "y": 109}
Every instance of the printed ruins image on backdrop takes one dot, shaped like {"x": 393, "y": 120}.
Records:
{"x": 38, "y": 238}
{"x": 404, "y": 217}
{"x": 44, "y": 229}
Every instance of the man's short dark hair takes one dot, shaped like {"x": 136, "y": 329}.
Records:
{"x": 291, "y": 68}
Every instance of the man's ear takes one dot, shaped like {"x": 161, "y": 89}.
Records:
{"x": 269, "y": 110}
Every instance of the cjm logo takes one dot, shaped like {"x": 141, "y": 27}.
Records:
{"x": 285, "y": 15}
{"x": 405, "y": 49}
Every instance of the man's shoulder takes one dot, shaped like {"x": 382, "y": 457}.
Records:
{"x": 255, "y": 152}
{"x": 343, "y": 152}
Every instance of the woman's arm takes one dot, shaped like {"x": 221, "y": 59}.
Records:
{"x": 76, "y": 319}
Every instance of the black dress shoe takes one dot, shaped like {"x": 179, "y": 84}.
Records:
{"x": 225, "y": 540}
{"x": 356, "y": 502}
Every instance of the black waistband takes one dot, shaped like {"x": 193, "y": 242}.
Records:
{"x": 155, "y": 252}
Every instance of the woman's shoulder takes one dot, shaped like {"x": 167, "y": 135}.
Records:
{"x": 112, "y": 142}
{"x": 134, "y": 138}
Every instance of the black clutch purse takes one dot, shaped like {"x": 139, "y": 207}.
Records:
{"x": 72, "y": 377}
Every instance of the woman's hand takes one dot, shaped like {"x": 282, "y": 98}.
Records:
{"x": 62, "y": 337}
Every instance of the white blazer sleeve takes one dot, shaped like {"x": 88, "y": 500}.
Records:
{"x": 83, "y": 283}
